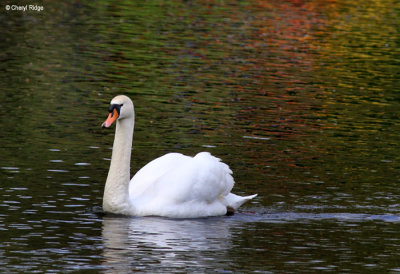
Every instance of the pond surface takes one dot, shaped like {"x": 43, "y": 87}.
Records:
{"x": 301, "y": 99}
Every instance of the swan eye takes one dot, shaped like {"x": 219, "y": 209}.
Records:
{"x": 117, "y": 107}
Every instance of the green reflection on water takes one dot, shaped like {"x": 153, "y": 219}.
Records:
{"x": 300, "y": 99}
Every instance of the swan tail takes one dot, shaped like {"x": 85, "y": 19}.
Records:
{"x": 233, "y": 201}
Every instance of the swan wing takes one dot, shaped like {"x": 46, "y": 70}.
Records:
{"x": 182, "y": 186}
{"x": 144, "y": 179}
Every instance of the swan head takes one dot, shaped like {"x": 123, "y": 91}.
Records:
{"x": 121, "y": 107}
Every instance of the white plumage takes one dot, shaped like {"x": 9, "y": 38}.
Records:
{"x": 173, "y": 185}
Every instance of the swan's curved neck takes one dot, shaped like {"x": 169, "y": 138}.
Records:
{"x": 116, "y": 192}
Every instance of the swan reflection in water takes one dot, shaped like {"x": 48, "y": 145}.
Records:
{"x": 154, "y": 243}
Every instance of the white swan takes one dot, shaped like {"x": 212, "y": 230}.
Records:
{"x": 173, "y": 185}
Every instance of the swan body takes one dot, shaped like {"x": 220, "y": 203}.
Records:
{"x": 173, "y": 185}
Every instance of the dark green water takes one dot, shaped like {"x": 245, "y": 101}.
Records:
{"x": 302, "y": 100}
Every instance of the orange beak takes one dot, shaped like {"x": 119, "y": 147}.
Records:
{"x": 110, "y": 119}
